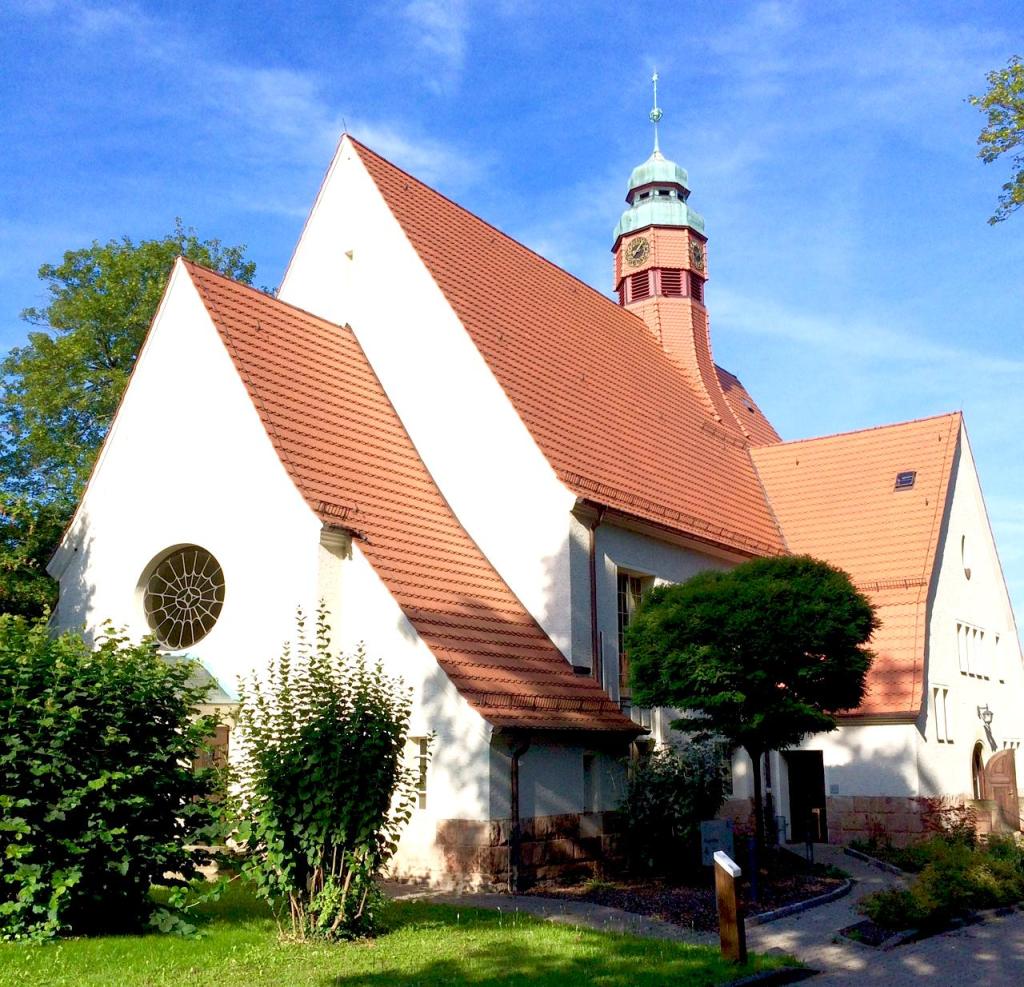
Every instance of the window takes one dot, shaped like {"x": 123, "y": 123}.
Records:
{"x": 589, "y": 784}
{"x": 696, "y": 288}
{"x": 973, "y": 653}
{"x": 672, "y": 282}
{"x": 217, "y": 755}
{"x": 905, "y": 480}
{"x": 639, "y": 285}
{"x": 183, "y": 596}
{"x": 631, "y": 590}
{"x": 421, "y": 752}
{"x": 940, "y": 713}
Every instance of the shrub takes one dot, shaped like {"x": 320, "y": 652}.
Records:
{"x": 321, "y": 786}
{"x": 98, "y": 798}
{"x": 950, "y": 819}
{"x": 669, "y": 794}
{"x": 954, "y": 879}
{"x": 894, "y": 908}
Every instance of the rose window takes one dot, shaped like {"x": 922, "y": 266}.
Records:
{"x": 184, "y": 596}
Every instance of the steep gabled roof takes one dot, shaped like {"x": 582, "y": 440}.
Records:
{"x": 345, "y": 449}
{"x": 615, "y": 419}
{"x": 836, "y": 498}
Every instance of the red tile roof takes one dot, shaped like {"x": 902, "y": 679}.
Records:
{"x": 751, "y": 419}
{"x": 836, "y": 498}
{"x": 616, "y": 420}
{"x": 347, "y": 452}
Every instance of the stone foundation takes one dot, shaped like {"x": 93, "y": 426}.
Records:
{"x": 888, "y": 818}
{"x": 552, "y": 848}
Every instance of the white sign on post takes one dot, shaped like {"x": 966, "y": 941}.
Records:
{"x": 715, "y": 834}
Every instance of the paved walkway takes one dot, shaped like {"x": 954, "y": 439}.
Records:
{"x": 990, "y": 953}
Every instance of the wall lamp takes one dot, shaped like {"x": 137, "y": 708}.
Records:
{"x": 985, "y": 715}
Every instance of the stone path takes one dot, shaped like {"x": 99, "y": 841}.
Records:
{"x": 990, "y": 953}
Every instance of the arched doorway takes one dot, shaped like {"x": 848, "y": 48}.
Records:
{"x": 978, "y": 773}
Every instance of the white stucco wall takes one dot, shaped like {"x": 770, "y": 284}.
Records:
{"x": 353, "y": 264}
{"x": 188, "y": 461}
{"x": 996, "y": 678}
{"x": 552, "y": 778}
{"x": 365, "y": 613}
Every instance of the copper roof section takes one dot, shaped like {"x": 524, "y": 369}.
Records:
{"x": 836, "y": 498}
{"x": 344, "y": 447}
{"x": 615, "y": 418}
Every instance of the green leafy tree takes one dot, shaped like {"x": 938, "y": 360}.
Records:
{"x": 59, "y": 391}
{"x": 760, "y": 656}
{"x": 322, "y": 789}
{"x": 98, "y": 799}
{"x": 1003, "y": 105}
{"x": 29, "y": 530}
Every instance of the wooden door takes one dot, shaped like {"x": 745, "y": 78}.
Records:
{"x": 1001, "y": 782}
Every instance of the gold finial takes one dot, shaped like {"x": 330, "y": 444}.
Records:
{"x": 656, "y": 113}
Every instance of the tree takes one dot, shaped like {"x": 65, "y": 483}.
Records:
{"x": 28, "y": 532}
{"x": 58, "y": 393}
{"x": 98, "y": 798}
{"x": 1003, "y": 104}
{"x": 760, "y": 656}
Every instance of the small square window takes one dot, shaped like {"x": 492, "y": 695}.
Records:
{"x": 905, "y": 480}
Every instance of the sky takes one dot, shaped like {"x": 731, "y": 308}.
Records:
{"x": 854, "y": 278}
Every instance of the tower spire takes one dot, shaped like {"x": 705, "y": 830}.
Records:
{"x": 656, "y": 113}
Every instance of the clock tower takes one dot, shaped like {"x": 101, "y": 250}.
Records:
{"x": 661, "y": 268}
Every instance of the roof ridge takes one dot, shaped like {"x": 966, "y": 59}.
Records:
{"x": 861, "y": 431}
{"x": 508, "y": 236}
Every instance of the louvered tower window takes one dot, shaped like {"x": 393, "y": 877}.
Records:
{"x": 639, "y": 285}
{"x": 672, "y": 283}
{"x": 696, "y": 288}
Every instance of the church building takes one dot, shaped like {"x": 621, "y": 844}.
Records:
{"x": 479, "y": 464}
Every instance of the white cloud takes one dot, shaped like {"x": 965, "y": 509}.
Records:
{"x": 274, "y": 118}
{"x": 440, "y": 28}
{"x": 855, "y": 336}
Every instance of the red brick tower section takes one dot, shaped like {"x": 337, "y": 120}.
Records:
{"x": 661, "y": 268}
{"x": 660, "y": 273}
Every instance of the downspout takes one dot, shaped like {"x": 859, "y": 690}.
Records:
{"x": 595, "y": 638}
{"x": 519, "y": 746}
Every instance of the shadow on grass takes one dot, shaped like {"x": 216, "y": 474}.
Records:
{"x": 487, "y": 949}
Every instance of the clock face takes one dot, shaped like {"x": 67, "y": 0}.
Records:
{"x": 697, "y": 255}
{"x": 637, "y": 251}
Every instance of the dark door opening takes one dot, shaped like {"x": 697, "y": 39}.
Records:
{"x": 807, "y": 819}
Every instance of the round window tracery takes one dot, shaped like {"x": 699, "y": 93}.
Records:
{"x": 183, "y": 596}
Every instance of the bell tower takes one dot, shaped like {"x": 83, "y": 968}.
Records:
{"x": 661, "y": 268}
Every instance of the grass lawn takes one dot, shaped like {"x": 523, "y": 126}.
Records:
{"x": 426, "y": 944}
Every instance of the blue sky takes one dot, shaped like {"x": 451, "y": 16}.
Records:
{"x": 854, "y": 279}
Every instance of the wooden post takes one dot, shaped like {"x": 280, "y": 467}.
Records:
{"x": 731, "y": 929}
